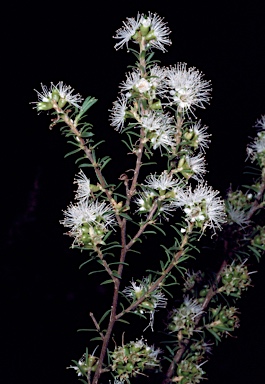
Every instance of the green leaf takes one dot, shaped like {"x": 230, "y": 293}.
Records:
{"x": 88, "y": 102}
{"x": 107, "y": 282}
{"x": 96, "y": 339}
{"x": 87, "y": 330}
{"x": 83, "y": 165}
{"x": 125, "y": 216}
{"x": 85, "y": 262}
{"x": 72, "y": 152}
{"x": 214, "y": 334}
{"x": 104, "y": 316}
{"x": 91, "y": 273}
{"x": 123, "y": 321}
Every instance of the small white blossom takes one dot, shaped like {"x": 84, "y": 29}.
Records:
{"x": 143, "y": 85}
{"x": 260, "y": 123}
{"x": 256, "y": 150}
{"x": 46, "y": 94}
{"x": 162, "y": 182}
{"x": 88, "y": 221}
{"x": 66, "y": 93}
{"x": 61, "y": 92}
{"x": 158, "y": 79}
{"x": 83, "y": 189}
{"x": 187, "y": 87}
{"x": 183, "y": 318}
{"x": 196, "y": 164}
{"x": 153, "y": 300}
{"x": 201, "y": 206}
{"x": 118, "y": 112}
{"x": 159, "y": 129}
{"x": 129, "y": 29}
{"x": 132, "y": 78}
{"x": 158, "y": 31}
{"x": 237, "y": 215}
{"x": 157, "y": 36}
{"x": 200, "y": 138}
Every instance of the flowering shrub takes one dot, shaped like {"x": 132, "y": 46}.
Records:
{"x": 155, "y": 114}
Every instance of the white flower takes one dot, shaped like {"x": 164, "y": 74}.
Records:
{"x": 183, "y": 318}
{"x": 88, "y": 221}
{"x": 162, "y": 182}
{"x": 196, "y": 164}
{"x": 59, "y": 93}
{"x": 256, "y": 149}
{"x": 153, "y": 300}
{"x": 160, "y": 130}
{"x": 157, "y": 79}
{"x": 158, "y": 35}
{"x": 118, "y": 113}
{"x": 132, "y": 79}
{"x": 46, "y": 94}
{"x": 200, "y": 137}
{"x": 83, "y": 190}
{"x": 66, "y": 93}
{"x": 201, "y": 206}
{"x": 260, "y": 123}
{"x": 142, "y": 85}
{"x": 187, "y": 87}
{"x": 127, "y": 31}
{"x": 192, "y": 307}
{"x": 237, "y": 215}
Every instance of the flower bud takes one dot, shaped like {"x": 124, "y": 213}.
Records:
{"x": 44, "y": 106}
{"x": 144, "y": 30}
{"x": 62, "y": 102}
{"x": 55, "y": 95}
{"x": 150, "y": 36}
{"x": 156, "y": 105}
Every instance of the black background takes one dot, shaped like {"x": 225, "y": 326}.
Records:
{"x": 45, "y": 298}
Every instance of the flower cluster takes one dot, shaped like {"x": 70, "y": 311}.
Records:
{"x": 235, "y": 279}
{"x": 158, "y": 189}
{"x": 187, "y": 87}
{"x": 60, "y": 94}
{"x": 183, "y": 319}
{"x": 202, "y": 206}
{"x": 188, "y": 372}
{"x": 151, "y": 28}
{"x": 224, "y": 320}
{"x": 133, "y": 358}
{"x": 153, "y": 300}
{"x": 237, "y": 206}
{"x": 88, "y": 220}
{"x": 256, "y": 149}
{"x": 87, "y": 363}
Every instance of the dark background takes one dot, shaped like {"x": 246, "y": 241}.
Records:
{"x": 45, "y": 298}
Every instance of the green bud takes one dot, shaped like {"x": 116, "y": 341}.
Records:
{"x": 147, "y": 305}
{"x": 231, "y": 323}
{"x": 85, "y": 237}
{"x": 129, "y": 367}
{"x": 156, "y": 105}
{"x": 136, "y": 36}
{"x": 150, "y": 36}
{"x": 62, "y": 102}
{"x": 144, "y": 30}
{"x": 203, "y": 292}
{"x": 44, "y": 106}
{"x": 188, "y": 135}
{"x": 94, "y": 188}
{"x": 55, "y": 95}
{"x": 84, "y": 229}
{"x": 257, "y": 240}
{"x": 172, "y": 327}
